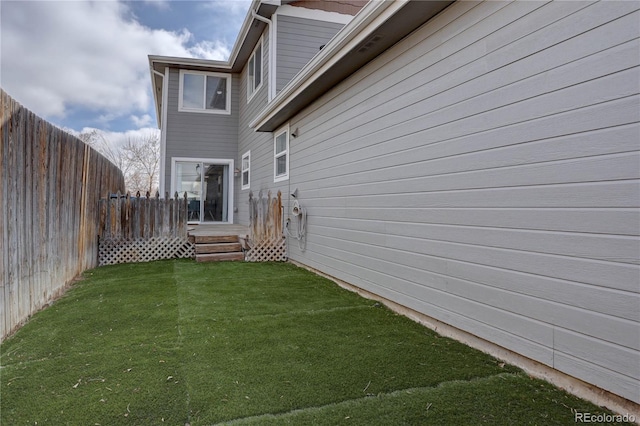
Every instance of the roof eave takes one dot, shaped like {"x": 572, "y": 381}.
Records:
{"x": 158, "y": 64}
{"x": 244, "y": 30}
{"x": 263, "y": 7}
{"x": 335, "y": 61}
{"x": 154, "y": 90}
{"x": 191, "y": 63}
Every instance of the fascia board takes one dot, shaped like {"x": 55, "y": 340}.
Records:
{"x": 358, "y": 30}
{"x": 222, "y": 66}
{"x": 154, "y": 91}
{"x": 188, "y": 62}
{"x": 228, "y": 64}
{"x": 320, "y": 15}
{"x": 244, "y": 30}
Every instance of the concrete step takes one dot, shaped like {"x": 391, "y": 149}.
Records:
{"x": 208, "y": 239}
{"x": 218, "y": 248}
{"x": 217, "y": 257}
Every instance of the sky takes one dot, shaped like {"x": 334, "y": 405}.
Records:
{"x": 83, "y": 64}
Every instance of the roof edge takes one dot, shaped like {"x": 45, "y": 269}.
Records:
{"x": 154, "y": 90}
{"x": 189, "y": 62}
{"x": 244, "y": 30}
{"x": 370, "y": 17}
{"x": 225, "y": 66}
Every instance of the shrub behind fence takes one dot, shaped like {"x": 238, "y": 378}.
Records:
{"x": 50, "y": 184}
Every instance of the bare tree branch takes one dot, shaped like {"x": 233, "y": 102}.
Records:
{"x": 138, "y": 158}
{"x": 144, "y": 153}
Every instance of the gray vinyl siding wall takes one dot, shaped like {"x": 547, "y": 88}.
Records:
{"x": 485, "y": 172}
{"x": 299, "y": 40}
{"x": 260, "y": 144}
{"x": 200, "y": 135}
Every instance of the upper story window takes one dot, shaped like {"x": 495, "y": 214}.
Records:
{"x": 204, "y": 92}
{"x": 281, "y": 155}
{"x": 254, "y": 80}
{"x": 246, "y": 166}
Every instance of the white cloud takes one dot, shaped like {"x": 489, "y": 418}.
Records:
{"x": 90, "y": 56}
{"x": 235, "y": 7}
{"x": 160, "y": 4}
{"x": 215, "y": 50}
{"x": 142, "y": 121}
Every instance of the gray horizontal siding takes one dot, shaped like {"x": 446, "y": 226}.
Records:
{"x": 299, "y": 40}
{"x": 260, "y": 144}
{"x": 484, "y": 171}
{"x": 200, "y": 135}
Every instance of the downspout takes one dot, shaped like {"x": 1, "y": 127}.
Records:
{"x": 163, "y": 135}
{"x": 161, "y": 76}
{"x": 255, "y": 15}
{"x": 260, "y": 18}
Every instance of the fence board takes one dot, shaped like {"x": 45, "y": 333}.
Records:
{"x": 5, "y": 111}
{"x": 141, "y": 229}
{"x": 50, "y": 186}
{"x": 131, "y": 218}
{"x": 266, "y": 241}
{"x": 4, "y": 248}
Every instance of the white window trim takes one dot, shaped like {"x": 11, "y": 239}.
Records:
{"x": 227, "y": 77}
{"x": 252, "y": 93}
{"x": 248, "y": 170}
{"x": 276, "y": 178}
{"x": 221, "y": 161}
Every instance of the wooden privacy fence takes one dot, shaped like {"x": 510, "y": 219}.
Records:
{"x": 142, "y": 229}
{"x": 266, "y": 240}
{"x": 50, "y": 183}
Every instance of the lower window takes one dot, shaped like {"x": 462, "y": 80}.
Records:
{"x": 281, "y": 155}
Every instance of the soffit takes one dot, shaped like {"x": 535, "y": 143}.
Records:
{"x": 379, "y": 38}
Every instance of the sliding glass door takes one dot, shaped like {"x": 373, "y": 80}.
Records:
{"x": 215, "y": 193}
{"x": 188, "y": 179}
{"x": 208, "y": 185}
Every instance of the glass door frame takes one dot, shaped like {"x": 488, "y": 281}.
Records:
{"x": 207, "y": 161}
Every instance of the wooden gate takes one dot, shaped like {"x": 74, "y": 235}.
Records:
{"x": 266, "y": 240}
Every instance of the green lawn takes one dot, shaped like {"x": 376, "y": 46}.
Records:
{"x": 179, "y": 342}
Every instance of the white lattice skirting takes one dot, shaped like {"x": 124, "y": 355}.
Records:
{"x": 274, "y": 250}
{"x": 111, "y": 252}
